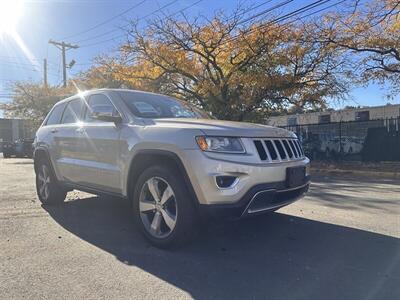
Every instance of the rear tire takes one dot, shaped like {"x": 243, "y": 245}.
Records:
{"x": 48, "y": 189}
{"x": 163, "y": 208}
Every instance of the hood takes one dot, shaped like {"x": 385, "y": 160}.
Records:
{"x": 223, "y": 128}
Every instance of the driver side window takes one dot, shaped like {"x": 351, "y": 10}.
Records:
{"x": 100, "y": 103}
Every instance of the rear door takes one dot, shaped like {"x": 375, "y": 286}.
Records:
{"x": 101, "y": 147}
{"x": 68, "y": 144}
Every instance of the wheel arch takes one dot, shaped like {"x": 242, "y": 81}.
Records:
{"x": 39, "y": 154}
{"x": 145, "y": 158}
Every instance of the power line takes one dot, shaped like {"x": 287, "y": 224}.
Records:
{"x": 291, "y": 14}
{"x": 254, "y": 7}
{"x": 122, "y": 35}
{"x": 286, "y": 16}
{"x": 17, "y": 63}
{"x": 139, "y": 19}
{"x": 317, "y": 11}
{"x": 279, "y": 5}
{"x": 249, "y": 19}
{"x": 25, "y": 66}
{"x": 15, "y": 57}
{"x": 106, "y": 21}
{"x": 17, "y": 60}
{"x": 187, "y": 7}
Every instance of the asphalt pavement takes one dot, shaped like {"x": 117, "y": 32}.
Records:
{"x": 340, "y": 242}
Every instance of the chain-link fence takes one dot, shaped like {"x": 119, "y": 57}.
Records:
{"x": 374, "y": 140}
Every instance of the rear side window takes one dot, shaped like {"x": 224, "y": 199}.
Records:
{"x": 55, "y": 114}
{"x": 72, "y": 112}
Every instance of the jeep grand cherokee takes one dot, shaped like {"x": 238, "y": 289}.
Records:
{"x": 169, "y": 159}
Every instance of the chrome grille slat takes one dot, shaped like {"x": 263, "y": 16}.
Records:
{"x": 271, "y": 150}
{"x": 297, "y": 147}
{"x": 300, "y": 147}
{"x": 295, "y": 153}
{"x": 288, "y": 149}
{"x": 261, "y": 150}
{"x": 281, "y": 149}
{"x": 278, "y": 149}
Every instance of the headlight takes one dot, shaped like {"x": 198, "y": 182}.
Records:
{"x": 220, "y": 144}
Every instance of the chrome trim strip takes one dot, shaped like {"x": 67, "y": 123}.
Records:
{"x": 252, "y": 199}
{"x": 292, "y": 189}
{"x": 264, "y": 144}
{"x": 235, "y": 182}
{"x": 284, "y": 149}
{"x": 279, "y": 158}
{"x": 248, "y": 211}
{"x": 251, "y": 211}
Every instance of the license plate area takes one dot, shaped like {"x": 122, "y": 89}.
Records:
{"x": 295, "y": 176}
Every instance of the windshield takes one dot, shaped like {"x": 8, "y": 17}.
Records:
{"x": 146, "y": 105}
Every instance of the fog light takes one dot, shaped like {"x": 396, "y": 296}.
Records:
{"x": 225, "y": 181}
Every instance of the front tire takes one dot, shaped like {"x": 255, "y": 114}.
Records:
{"x": 48, "y": 189}
{"x": 163, "y": 208}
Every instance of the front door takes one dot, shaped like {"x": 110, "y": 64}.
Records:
{"x": 101, "y": 147}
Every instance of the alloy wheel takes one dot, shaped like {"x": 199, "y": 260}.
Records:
{"x": 158, "y": 207}
{"x": 44, "y": 182}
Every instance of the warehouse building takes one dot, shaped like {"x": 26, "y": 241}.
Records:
{"x": 390, "y": 111}
{"x": 14, "y": 129}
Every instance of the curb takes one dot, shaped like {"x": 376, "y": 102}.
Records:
{"x": 393, "y": 175}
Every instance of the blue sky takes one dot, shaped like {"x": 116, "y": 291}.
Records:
{"x": 62, "y": 19}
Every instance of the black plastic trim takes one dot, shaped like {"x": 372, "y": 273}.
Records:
{"x": 235, "y": 210}
{"x": 91, "y": 190}
{"x": 175, "y": 158}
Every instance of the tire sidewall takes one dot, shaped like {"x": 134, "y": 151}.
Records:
{"x": 184, "y": 205}
{"x": 56, "y": 192}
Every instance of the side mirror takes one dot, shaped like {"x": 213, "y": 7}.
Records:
{"x": 105, "y": 113}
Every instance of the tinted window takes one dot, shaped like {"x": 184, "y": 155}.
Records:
{"x": 146, "y": 105}
{"x": 72, "y": 112}
{"x": 55, "y": 114}
{"x": 101, "y": 103}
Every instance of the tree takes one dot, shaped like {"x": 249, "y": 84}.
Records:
{"x": 236, "y": 70}
{"x": 33, "y": 101}
{"x": 370, "y": 33}
{"x": 97, "y": 76}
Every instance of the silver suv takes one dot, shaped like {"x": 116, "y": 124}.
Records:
{"x": 170, "y": 160}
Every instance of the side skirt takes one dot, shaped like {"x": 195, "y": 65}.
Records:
{"x": 90, "y": 190}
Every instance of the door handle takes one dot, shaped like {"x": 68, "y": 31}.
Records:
{"x": 80, "y": 130}
{"x": 54, "y": 130}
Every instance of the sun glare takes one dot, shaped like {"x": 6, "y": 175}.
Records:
{"x": 10, "y": 12}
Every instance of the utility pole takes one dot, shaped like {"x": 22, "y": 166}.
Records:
{"x": 45, "y": 72}
{"x": 63, "y": 47}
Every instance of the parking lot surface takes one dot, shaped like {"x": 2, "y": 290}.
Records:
{"x": 340, "y": 242}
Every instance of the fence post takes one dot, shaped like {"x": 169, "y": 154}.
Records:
{"x": 340, "y": 140}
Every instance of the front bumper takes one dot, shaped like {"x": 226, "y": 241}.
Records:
{"x": 259, "y": 199}
{"x": 203, "y": 168}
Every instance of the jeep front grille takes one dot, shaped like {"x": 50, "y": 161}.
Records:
{"x": 278, "y": 149}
